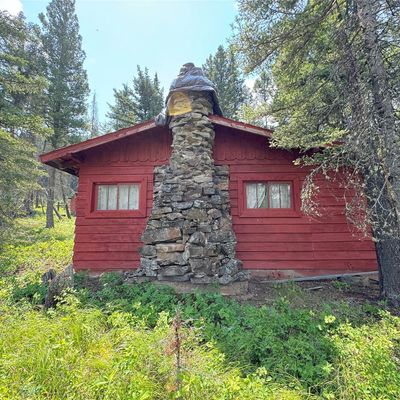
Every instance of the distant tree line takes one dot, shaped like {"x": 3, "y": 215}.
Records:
{"x": 44, "y": 105}
{"x": 43, "y": 93}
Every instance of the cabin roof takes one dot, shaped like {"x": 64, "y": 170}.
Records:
{"x": 68, "y": 158}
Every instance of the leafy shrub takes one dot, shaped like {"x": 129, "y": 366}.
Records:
{"x": 368, "y": 363}
{"x": 34, "y": 292}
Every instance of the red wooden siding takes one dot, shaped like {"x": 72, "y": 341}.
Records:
{"x": 281, "y": 243}
{"x": 288, "y": 243}
{"x": 112, "y": 243}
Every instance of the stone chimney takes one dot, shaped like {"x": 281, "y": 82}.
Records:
{"x": 189, "y": 234}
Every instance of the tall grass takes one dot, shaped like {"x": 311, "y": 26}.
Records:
{"x": 74, "y": 353}
{"x": 30, "y": 249}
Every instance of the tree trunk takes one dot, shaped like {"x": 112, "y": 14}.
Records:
{"x": 37, "y": 203}
{"x": 67, "y": 211}
{"x": 50, "y": 198}
{"x": 387, "y": 231}
{"x": 388, "y": 253}
{"x": 387, "y": 245}
{"x": 28, "y": 204}
{"x": 383, "y": 108}
{"x": 64, "y": 197}
{"x": 57, "y": 213}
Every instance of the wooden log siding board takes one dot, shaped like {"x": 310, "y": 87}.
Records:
{"x": 113, "y": 241}
{"x": 113, "y": 247}
{"x": 296, "y": 237}
{"x": 292, "y": 242}
{"x": 275, "y": 245}
{"x": 322, "y": 265}
{"x": 309, "y": 255}
{"x": 104, "y": 265}
{"x": 303, "y": 246}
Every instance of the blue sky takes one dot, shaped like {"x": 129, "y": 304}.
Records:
{"x": 162, "y": 35}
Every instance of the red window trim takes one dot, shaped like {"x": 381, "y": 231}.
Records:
{"x": 294, "y": 211}
{"x": 91, "y": 210}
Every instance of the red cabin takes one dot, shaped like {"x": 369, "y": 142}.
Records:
{"x": 274, "y": 238}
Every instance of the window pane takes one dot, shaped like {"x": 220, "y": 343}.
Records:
{"x": 102, "y": 197}
{"x": 268, "y": 195}
{"x": 285, "y": 195}
{"x": 279, "y": 195}
{"x": 134, "y": 197}
{"x": 262, "y": 197}
{"x": 274, "y": 198}
{"x": 251, "y": 195}
{"x": 112, "y": 197}
{"x": 123, "y": 194}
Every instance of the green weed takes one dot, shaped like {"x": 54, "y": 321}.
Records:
{"x": 74, "y": 353}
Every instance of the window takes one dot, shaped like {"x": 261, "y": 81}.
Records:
{"x": 268, "y": 195}
{"x": 123, "y": 196}
{"x": 115, "y": 196}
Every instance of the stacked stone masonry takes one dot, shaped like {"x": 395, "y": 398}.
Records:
{"x": 189, "y": 234}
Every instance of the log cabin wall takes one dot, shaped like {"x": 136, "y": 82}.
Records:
{"x": 112, "y": 243}
{"x": 287, "y": 245}
{"x": 273, "y": 246}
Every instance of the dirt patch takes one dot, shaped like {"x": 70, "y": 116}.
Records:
{"x": 314, "y": 294}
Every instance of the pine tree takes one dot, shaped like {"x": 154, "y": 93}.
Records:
{"x": 158, "y": 96}
{"x": 262, "y": 88}
{"x": 68, "y": 85}
{"x": 147, "y": 95}
{"x": 256, "y": 110}
{"x": 19, "y": 172}
{"x": 139, "y": 103}
{"x": 122, "y": 113}
{"x": 94, "y": 118}
{"x": 222, "y": 69}
{"x": 21, "y": 81}
{"x": 21, "y": 85}
{"x": 336, "y": 71}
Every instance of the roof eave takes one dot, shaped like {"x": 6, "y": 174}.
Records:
{"x": 68, "y": 158}
{"x": 242, "y": 126}
{"x": 94, "y": 142}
